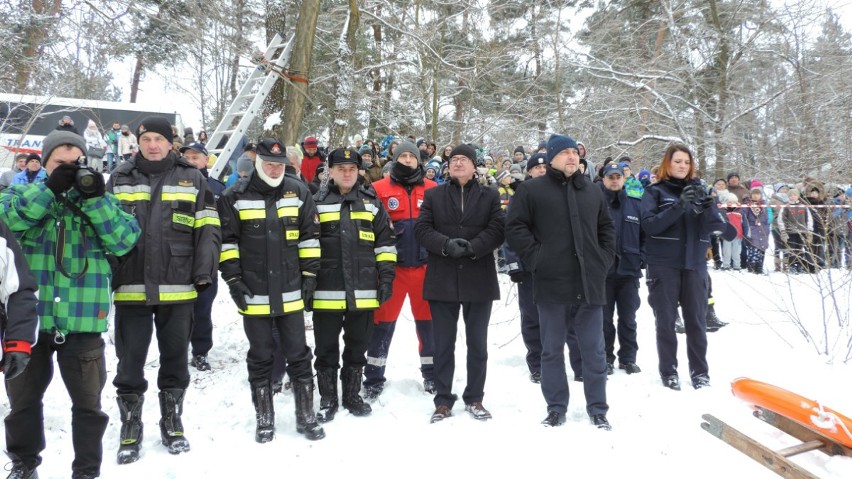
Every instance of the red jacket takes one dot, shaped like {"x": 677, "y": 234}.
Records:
{"x": 404, "y": 208}
{"x": 310, "y": 164}
{"x": 736, "y": 220}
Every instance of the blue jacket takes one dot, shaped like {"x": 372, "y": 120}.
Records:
{"x": 21, "y": 178}
{"x": 675, "y": 236}
{"x": 626, "y": 212}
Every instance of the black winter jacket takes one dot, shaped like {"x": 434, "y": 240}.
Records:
{"x": 561, "y": 229}
{"x": 626, "y": 213}
{"x": 471, "y": 212}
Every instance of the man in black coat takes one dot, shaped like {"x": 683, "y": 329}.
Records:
{"x": 460, "y": 225}
{"x": 560, "y": 227}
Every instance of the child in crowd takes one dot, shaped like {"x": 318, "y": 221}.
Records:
{"x": 731, "y": 249}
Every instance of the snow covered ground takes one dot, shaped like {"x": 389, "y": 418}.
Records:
{"x": 656, "y": 432}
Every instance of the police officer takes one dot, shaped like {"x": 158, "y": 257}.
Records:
{"x": 678, "y": 217}
{"x": 559, "y": 226}
{"x": 270, "y": 247}
{"x": 356, "y": 276}
{"x": 402, "y": 194}
{"x": 157, "y": 283}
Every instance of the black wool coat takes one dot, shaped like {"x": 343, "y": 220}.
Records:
{"x": 561, "y": 229}
{"x": 471, "y": 212}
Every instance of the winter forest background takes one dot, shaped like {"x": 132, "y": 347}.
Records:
{"x": 761, "y": 87}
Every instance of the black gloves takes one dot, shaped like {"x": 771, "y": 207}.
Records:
{"x": 239, "y": 291}
{"x": 62, "y": 178}
{"x": 14, "y": 364}
{"x": 385, "y": 292}
{"x": 98, "y": 188}
{"x": 703, "y": 203}
{"x": 458, "y": 248}
{"x": 309, "y": 285}
{"x": 517, "y": 276}
{"x": 690, "y": 194}
{"x": 200, "y": 286}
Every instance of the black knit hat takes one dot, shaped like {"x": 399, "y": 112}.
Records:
{"x": 465, "y": 150}
{"x": 155, "y": 124}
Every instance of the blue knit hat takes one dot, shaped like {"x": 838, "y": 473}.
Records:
{"x": 557, "y": 143}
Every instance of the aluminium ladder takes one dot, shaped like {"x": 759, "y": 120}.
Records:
{"x": 248, "y": 102}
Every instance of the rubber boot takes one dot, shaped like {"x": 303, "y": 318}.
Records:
{"x": 327, "y": 380}
{"x": 306, "y": 419}
{"x": 130, "y": 438}
{"x": 261, "y": 397}
{"x": 171, "y": 427}
{"x": 352, "y": 401}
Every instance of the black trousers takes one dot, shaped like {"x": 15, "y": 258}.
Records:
{"x": 622, "y": 297}
{"x": 134, "y": 326}
{"x": 668, "y": 287}
{"x": 202, "y": 320}
{"x": 356, "y": 327}
{"x": 83, "y": 369}
{"x": 445, "y": 319}
{"x": 262, "y": 346}
{"x": 530, "y": 329}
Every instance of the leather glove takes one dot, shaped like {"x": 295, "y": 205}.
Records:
{"x": 99, "y": 187}
{"x": 458, "y": 247}
{"x": 385, "y": 292}
{"x": 309, "y": 285}
{"x": 16, "y": 356}
{"x": 689, "y": 194}
{"x": 62, "y": 178}
{"x": 704, "y": 203}
{"x": 239, "y": 291}
{"x": 517, "y": 276}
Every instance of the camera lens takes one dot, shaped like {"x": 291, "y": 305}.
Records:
{"x": 85, "y": 181}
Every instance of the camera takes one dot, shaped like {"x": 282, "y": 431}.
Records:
{"x": 86, "y": 180}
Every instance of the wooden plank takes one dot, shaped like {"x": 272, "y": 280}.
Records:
{"x": 755, "y": 450}
{"x": 802, "y": 433}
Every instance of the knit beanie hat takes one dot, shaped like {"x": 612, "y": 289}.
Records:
{"x": 155, "y": 124}
{"x": 501, "y": 175}
{"x": 244, "y": 164}
{"x": 409, "y": 147}
{"x": 464, "y": 150}
{"x": 558, "y": 143}
{"x": 58, "y": 138}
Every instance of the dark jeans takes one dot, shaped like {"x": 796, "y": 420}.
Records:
{"x": 262, "y": 346}
{"x": 668, "y": 287}
{"x": 83, "y": 369}
{"x": 134, "y": 326}
{"x": 622, "y": 297}
{"x": 530, "y": 329}
{"x": 445, "y": 319}
{"x": 202, "y": 320}
{"x": 586, "y": 322}
{"x": 356, "y": 326}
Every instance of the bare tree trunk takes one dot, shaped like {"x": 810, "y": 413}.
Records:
{"x": 344, "y": 89}
{"x": 137, "y": 77}
{"x": 276, "y": 16}
{"x": 239, "y": 6}
{"x": 300, "y": 67}
{"x": 722, "y": 59}
{"x": 376, "y": 75}
{"x": 33, "y": 39}
{"x": 459, "y": 99}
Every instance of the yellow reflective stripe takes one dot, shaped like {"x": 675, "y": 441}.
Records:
{"x": 229, "y": 254}
{"x": 361, "y": 215}
{"x": 291, "y": 306}
{"x": 309, "y": 252}
{"x": 288, "y": 211}
{"x": 179, "y": 197}
{"x": 386, "y": 257}
{"x": 138, "y": 196}
{"x": 128, "y": 296}
{"x": 257, "y": 310}
{"x": 252, "y": 214}
{"x": 366, "y": 303}
{"x": 367, "y": 235}
{"x": 335, "y": 304}
{"x": 179, "y": 296}
{"x": 331, "y": 216}
{"x": 209, "y": 221}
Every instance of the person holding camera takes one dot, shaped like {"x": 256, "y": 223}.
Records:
{"x": 67, "y": 227}
{"x": 157, "y": 283}
{"x": 678, "y": 217}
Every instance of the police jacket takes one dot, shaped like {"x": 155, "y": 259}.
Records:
{"x": 675, "y": 236}
{"x": 625, "y": 208}
{"x": 403, "y": 206}
{"x": 20, "y": 320}
{"x": 270, "y": 238}
{"x": 180, "y": 241}
{"x": 358, "y": 251}
{"x": 561, "y": 229}
{"x": 471, "y": 212}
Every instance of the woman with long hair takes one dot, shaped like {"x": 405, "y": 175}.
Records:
{"x": 678, "y": 217}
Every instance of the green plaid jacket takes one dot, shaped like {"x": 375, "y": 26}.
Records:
{"x": 70, "y": 305}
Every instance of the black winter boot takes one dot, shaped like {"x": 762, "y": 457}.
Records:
{"x": 306, "y": 419}
{"x": 713, "y": 322}
{"x": 261, "y": 397}
{"x": 327, "y": 381}
{"x": 171, "y": 427}
{"x": 130, "y": 438}
{"x": 351, "y": 379}
{"x": 22, "y": 469}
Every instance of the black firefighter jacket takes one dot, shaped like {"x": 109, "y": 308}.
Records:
{"x": 270, "y": 238}
{"x": 180, "y": 241}
{"x": 358, "y": 249}
{"x": 561, "y": 229}
{"x": 471, "y": 212}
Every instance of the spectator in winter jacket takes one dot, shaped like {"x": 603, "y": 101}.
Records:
{"x": 731, "y": 248}
{"x": 795, "y": 226}
{"x": 735, "y": 188}
{"x": 569, "y": 255}
{"x": 644, "y": 177}
{"x": 33, "y": 173}
{"x": 17, "y": 167}
{"x": 111, "y": 138}
{"x": 66, "y": 233}
{"x": 157, "y": 283}
{"x": 371, "y": 163}
{"x": 67, "y": 124}
{"x": 312, "y": 159}
{"x": 127, "y": 144}
{"x": 519, "y": 155}
{"x": 756, "y": 216}
{"x": 95, "y": 145}
{"x": 460, "y": 225}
